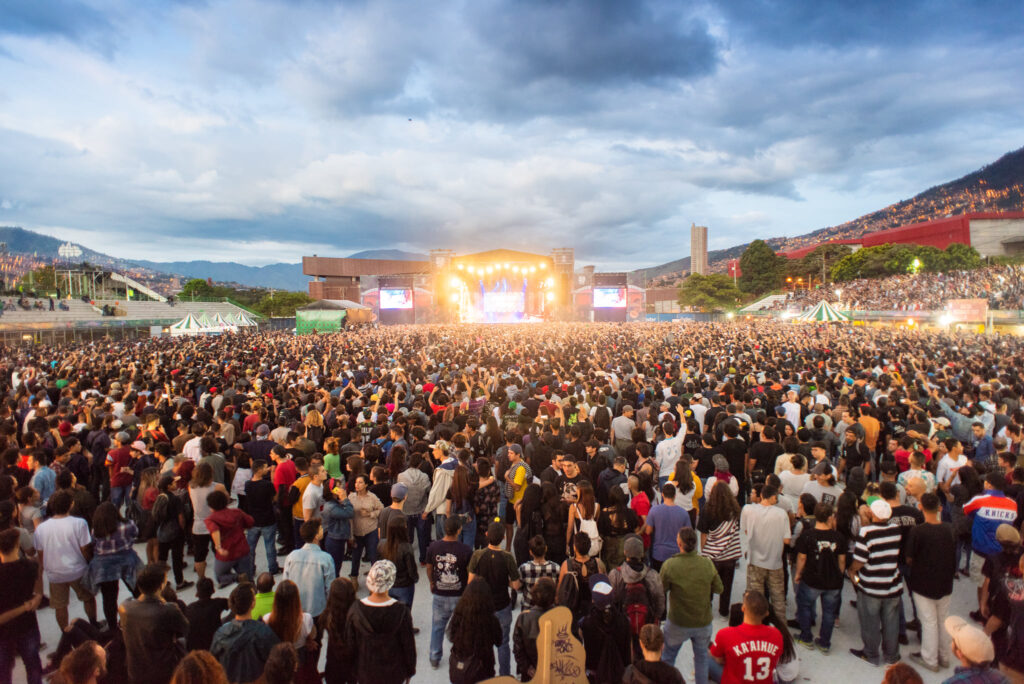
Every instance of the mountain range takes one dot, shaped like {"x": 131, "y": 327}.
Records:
{"x": 996, "y": 187}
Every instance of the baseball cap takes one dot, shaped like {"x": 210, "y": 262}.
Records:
{"x": 399, "y": 491}
{"x": 823, "y": 468}
{"x": 881, "y": 509}
{"x": 139, "y": 445}
{"x": 633, "y": 547}
{"x": 972, "y": 642}
{"x": 516, "y": 449}
{"x": 600, "y": 591}
{"x": 943, "y": 421}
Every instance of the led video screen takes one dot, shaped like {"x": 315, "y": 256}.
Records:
{"x": 609, "y": 298}
{"x": 504, "y": 302}
{"x": 396, "y": 299}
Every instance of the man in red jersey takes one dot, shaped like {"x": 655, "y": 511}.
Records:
{"x": 749, "y": 652}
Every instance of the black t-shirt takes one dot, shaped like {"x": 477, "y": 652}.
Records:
{"x": 204, "y": 619}
{"x": 705, "y": 461}
{"x": 735, "y": 452}
{"x": 259, "y": 501}
{"x": 450, "y": 563}
{"x": 931, "y": 551}
{"x": 822, "y": 547}
{"x": 18, "y": 580}
{"x": 856, "y": 454}
{"x": 568, "y": 487}
{"x": 764, "y": 455}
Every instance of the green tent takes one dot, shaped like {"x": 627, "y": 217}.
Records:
{"x": 320, "y": 320}
{"x": 823, "y": 313}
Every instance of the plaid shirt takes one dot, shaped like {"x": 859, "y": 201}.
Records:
{"x": 530, "y": 572}
{"x": 120, "y": 540}
{"x": 977, "y": 675}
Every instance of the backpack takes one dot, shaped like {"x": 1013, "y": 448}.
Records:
{"x": 636, "y": 604}
{"x": 589, "y": 527}
{"x": 465, "y": 670}
{"x": 159, "y": 510}
{"x": 569, "y": 588}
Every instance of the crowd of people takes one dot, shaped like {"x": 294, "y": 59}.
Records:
{"x": 1001, "y": 286}
{"x": 628, "y": 473}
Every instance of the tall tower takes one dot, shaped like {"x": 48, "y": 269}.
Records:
{"x": 698, "y": 249}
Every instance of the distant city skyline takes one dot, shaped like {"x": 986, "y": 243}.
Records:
{"x": 259, "y": 131}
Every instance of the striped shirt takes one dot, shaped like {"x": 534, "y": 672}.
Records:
{"x": 723, "y": 542}
{"x": 878, "y": 548}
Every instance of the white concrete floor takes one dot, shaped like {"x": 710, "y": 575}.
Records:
{"x": 815, "y": 666}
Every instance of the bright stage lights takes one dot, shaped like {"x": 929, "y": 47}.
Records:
{"x": 455, "y": 296}
{"x": 490, "y": 269}
{"x": 550, "y": 282}
{"x": 460, "y": 267}
{"x": 543, "y": 265}
{"x": 533, "y": 269}
{"x": 471, "y": 270}
{"x": 455, "y": 282}
{"x": 506, "y": 267}
{"x": 551, "y": 296}
{"x": 515, "y": 269}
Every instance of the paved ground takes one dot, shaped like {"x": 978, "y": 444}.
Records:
{"x": 815, "y": 666}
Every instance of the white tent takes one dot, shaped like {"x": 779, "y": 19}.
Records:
{"x": 188, "y": 325}
{"x": 823, "y": 313}
{"x": 222, "y": 324}
{"x": 242, "y": 320}
{"x": 206, "y": 323}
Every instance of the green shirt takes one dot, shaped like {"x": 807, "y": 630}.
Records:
{"x": 332, "y": 462}
{"x": 264, "y": 604}
{"x": 690, "y": 579}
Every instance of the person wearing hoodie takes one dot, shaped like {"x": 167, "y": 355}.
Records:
{"x": 527, "y": 629}
{"x": 243, "y": 645}
{"x": 634, "y": 571}
{"x": 418, "y": 487}
{"x": 376, "y": 625}
{"x": 605, "y": 632}
{"x": 650, "y": 669}
{"x": 437, "y": 501}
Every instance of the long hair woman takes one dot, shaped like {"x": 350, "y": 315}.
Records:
{"x": 554, "y": 521}
{"x": 460, "y": 502}
{"x": 291, "y": 624}
{"x": 397, "y": 549}
{"x": 114, "y": 557}
{"x": 486, "y": 498}
{"x": 719, "y": 527}
{"x": 340, "y": 598}
{"x": 583, "y": 517}
{"x": 616, "y": 522}
{"x": 146, "y": 496}
{"x": 315, "y": 430}
{"x": 474, "y": 631}
{"x": 200, "y": 487}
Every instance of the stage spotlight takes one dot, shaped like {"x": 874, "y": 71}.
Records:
{"x": 455, "y": 296}
{"x": 490, "y": 269}
{"x": 515, "y": 269}
{"x": 543, "y": 265}
{"x": 533, "y": 269}
{"x": 454, "y": 282}
{"x": 506, "y": 267}
{"x": 551, "y": 296}
{"x": 471, "y": 270}
{"x": 460, "y": 267}
{"x": 550, "y": 282}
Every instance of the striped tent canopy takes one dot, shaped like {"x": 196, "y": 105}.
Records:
{"x": 188, "y": 325}
{"x": 205, "y": 322}
{"x": 242, "y": 320}
{"x": 823, "y": 313}
{"x": 219, "y": 322}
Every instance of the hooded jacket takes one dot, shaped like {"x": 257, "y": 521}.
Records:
{"x": 443, "y": 475}
{"x": 379, "y": 643}
{"x": 629, "y": 574}
{"x": 242, "y": 648}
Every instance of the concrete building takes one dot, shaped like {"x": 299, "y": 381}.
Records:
{"x": 698, "y": 249}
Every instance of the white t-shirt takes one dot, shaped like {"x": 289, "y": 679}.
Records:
{"x": 61, "y": 541}
{"x": 793, "y": 484}
{"x": 793, "y": 413}
{"x": 766, "y": 529}
{"x": 667, "y": 453}
{"x": 822, "y": 493}
{"x": 313, "y": 498}
{"x": 947, "y": 465}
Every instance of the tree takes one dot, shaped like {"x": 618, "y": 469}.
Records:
{"x": 962, "y": 257}
{"x": 42, "y": 280}
{"x": 197, "y": 287}
{"x": 710, "y": 292}
{"x": 762, "y": 269}
{"x": 810, "y": 266}
{"x": 282, "y": 303}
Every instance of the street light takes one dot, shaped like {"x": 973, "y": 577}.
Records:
{"x": 839, "y": 295}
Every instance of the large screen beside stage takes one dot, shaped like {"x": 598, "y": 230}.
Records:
{"x": 609, "y": 298}
{"x": 396, "y": 299}
{"x": 504, "y": 302}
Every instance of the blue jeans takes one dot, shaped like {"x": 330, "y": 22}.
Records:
{"x": 504, "y": 654}
{"x": 336, "y": 548}
{"x": 25, "y": 644}
{"x": 227, "y": 571}
{"x": 439, "y": 519}
{"x": 118, "y": 495}
{"x": 403, "y": 594}
{"x": 468, "y": 534}
{"x": 676, "y": 636}
{"x": 806, "y": 603}
{"x": 367, "y": 542}
{"x": 444, "y": 606}
{"x": 421, "y": 528}
{"x": 252, "y": 535}
{"x": 874, "y": 613}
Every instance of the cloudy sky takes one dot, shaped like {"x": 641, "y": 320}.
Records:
{"x": 259, "y": 131}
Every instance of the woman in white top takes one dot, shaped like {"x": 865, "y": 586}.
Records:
{"x": 793, "y": 481}
{"x": 199, "y": 487}
{"x": 289, "y": 622}
{"x": 722, "y": 474}
{"x": 583, "y": 517}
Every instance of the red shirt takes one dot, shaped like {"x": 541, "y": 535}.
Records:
{"x": 251, "y": 422}
{"x": 231, "y": 523}
{"x": 642, "y": 506}
{"x": 751, "y": 653}
{"x": 118, "y": 458}
{"x": 285, "y": 474}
